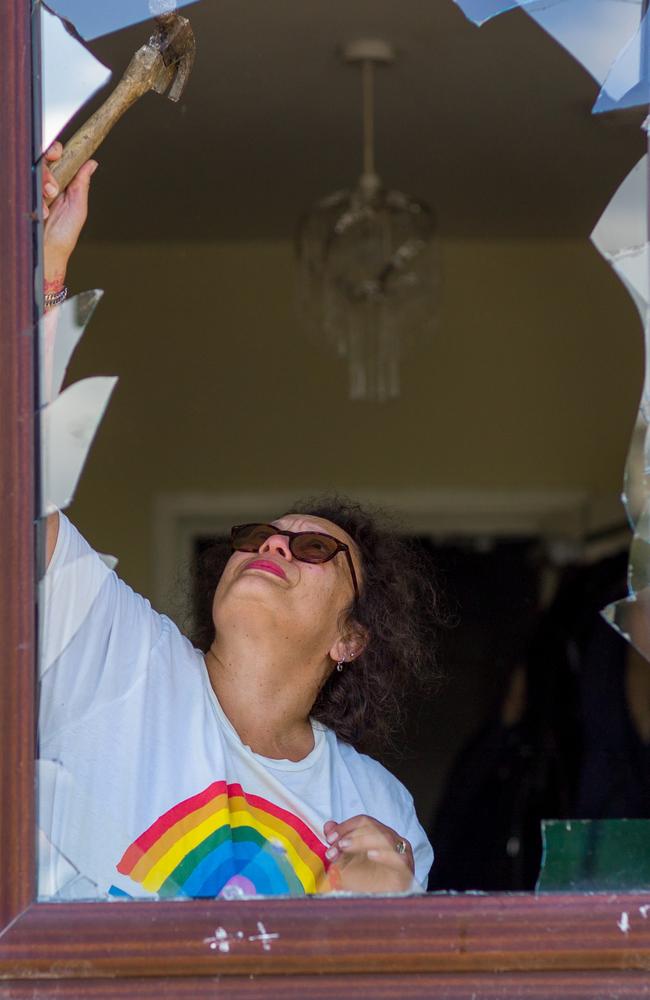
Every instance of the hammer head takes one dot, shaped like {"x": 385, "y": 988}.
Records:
{"x": 174, "y": 40}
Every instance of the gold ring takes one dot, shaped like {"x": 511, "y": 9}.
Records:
{"x": 400, "y": 847}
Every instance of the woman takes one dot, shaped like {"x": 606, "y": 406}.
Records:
{"x": 228, "y": 769}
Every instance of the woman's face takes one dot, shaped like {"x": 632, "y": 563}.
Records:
{"x": 271, "y": 587}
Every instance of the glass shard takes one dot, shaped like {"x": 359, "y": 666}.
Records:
{"x": 68, "y": 419}
{"x": 588, "y": 855}
{"x": 623, "y": 224}
{"x": 92, "y": 20}
{"x": 593, "y": 31}
{"x": 480, "y": 11}
{"x": 108, "y": 560}
{"x": 627, "y": 85}
{"x": 635, "y": 486}
{"x": 68, "y": 426}
{"x": 70, "y": 75}
{"x": 60, "y": 330}
{"x": 621, "y": 236}
{"x": 61, "y": 877}
{"x": 57, "y": 632}
{"x": 631, "y": 618}
{"x": 632, "y": 268}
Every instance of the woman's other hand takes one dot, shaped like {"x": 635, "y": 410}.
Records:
{"x": 364, "y": 857}
{"x": 65, "y": 217}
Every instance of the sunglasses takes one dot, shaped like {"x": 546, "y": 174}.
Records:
{"x": 306, "y": 546}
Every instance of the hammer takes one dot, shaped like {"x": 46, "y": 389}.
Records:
{"x": 164, "y": 62}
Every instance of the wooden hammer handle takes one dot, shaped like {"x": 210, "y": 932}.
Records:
{"x": 92, "y": 133}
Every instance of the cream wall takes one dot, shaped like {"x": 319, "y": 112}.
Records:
{"x": 531, "y": 381}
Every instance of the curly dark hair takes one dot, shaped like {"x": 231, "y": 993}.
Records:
{"x": 399, "y": 608}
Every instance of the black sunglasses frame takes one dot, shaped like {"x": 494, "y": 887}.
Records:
{"x": 273, "y": 530}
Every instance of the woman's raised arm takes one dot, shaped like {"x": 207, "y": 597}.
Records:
{"x": 64, "y": 219}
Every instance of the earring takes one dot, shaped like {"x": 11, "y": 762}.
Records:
{"x": 339, "y": 666}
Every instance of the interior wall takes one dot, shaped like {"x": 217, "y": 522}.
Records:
{"x": 532, "y": 380}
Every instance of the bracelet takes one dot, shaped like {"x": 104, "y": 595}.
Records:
{"x": 55, "y": 298}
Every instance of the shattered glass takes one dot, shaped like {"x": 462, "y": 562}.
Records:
{"x": 577, "y": 855}
{"x": 610, "y": 38}
{"x": 70, "y": 75}
{"x": 60, "y": 331}
{"x": 627, "y": 84}
{"x": 621, "y": 236}
{"x": 68, "y": 419}
{"x": 480, "y": 11}
{"x": 593, "y": 31}
{"x": 92, "y": 20}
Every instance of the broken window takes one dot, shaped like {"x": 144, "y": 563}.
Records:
{"x": 509, "y": 431}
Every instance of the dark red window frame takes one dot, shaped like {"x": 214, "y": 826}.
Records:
{"x": 447, "y": 946}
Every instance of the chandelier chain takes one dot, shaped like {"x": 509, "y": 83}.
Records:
{"x": 368, "y": 118}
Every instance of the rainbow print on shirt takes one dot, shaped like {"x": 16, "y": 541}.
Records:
{"x": 224, "y": 840}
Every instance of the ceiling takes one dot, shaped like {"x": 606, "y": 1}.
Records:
{"x": 491, "y": 126}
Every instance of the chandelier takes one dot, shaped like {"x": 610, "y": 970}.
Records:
{"x": 367, "y": 264}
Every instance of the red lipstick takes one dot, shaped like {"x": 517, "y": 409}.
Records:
{"x": 270, "y": 567}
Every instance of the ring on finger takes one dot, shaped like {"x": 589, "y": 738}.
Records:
{"x": 400, "y": 846}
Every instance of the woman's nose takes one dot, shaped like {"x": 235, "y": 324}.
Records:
{"x": 277, "y": 543}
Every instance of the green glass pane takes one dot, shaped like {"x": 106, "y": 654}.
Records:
{"x": 592, "y": 855}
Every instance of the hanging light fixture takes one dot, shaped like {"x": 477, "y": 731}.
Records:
{"x": 367, "y": 261}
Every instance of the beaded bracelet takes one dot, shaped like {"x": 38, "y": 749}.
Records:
{"x": 55, "y": 298}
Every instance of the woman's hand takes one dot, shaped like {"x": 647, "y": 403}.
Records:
{"x": 364, "y": 857}
{"x": 65, "y": 217}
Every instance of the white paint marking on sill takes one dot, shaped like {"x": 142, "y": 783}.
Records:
{"x": 624, "y": 923}
{"x": 263, "y": 936}
{"x": 222, "y": 940}
{"x": 219, "y": 940}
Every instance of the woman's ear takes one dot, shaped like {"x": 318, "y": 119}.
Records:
{"x": 350, "y": 645}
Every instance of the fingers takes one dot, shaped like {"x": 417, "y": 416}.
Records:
{"x": 77, "y": 189}
{"x": 54, "y": 152}
{"x": 359, "y": 843}
{"x": 336, "y": 831}
{"x": 73, "y": 202}
{"x": 333, "y": 831}
{"x": 50, "y": 187}
{"x": 374, "y": 844}
{"x": 330, "y": 830}
{"x": 363, "y": 841}
{"x": 78, "y": 186}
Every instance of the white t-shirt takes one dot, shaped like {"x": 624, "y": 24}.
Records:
{"x": 145, "y": 788}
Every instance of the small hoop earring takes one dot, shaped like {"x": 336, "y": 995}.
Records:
{"x": 339, "y": 666}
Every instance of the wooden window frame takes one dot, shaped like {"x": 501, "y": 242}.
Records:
{"x": 454, "y": 946}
